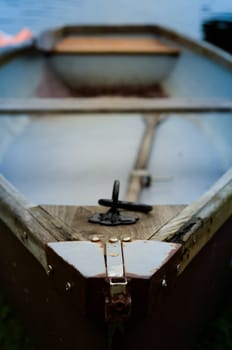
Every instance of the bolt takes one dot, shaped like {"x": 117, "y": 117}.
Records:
{"x": 68, "y": 286}
{"x": 113, "y": 240}
{"x": 126, "y": 239}
{"x": 164, "y": 283}
{"x": 178, "y": 268}
{"x": 95, "y": 239}
{"x": 49, "y": 270}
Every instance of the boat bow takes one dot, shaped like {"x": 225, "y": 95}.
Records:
{"x": 119, "y": 280}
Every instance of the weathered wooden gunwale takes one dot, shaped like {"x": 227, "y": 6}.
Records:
{"x": 199, "y": 222}
{"x": 34, "y": 228}
{"x": 109, "y": 105}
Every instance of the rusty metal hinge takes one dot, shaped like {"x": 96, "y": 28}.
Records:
{"x": 118, "y": 299}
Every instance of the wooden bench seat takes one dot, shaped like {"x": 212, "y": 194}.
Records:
{"x": 82, "y": 45}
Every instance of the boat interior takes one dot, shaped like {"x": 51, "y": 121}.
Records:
{"x": 73, "y": 158}
{"x": 80, "y": 108}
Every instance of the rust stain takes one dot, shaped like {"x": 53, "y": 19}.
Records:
{"x": 101, "y": 245}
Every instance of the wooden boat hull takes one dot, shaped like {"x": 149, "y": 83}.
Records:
{"x": 177, "y": 317}
{"x": 98, "y": 287}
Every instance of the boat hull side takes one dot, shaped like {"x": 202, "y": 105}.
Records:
{"x": 175, "y": 318}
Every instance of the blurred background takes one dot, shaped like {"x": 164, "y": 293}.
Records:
{"x": 184, "y": 16}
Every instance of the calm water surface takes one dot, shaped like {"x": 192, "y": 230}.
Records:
{"x": 183, "y": 15}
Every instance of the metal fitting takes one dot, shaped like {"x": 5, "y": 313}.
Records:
{"x": 164, "y": 283}
{"x": 68, "y": 286}
{"x": 113, "y": 240}
{"x": 49, "y": 270}
{"x": 95, "y": 239}
{"x": 126, "y": 239}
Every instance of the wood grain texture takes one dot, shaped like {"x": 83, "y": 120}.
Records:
{"x": 61, "y": 231}
{"x": 15, "y": 213}
{"x": 134, "y": 183}
{"x": 197, "y": 223}
{"x": 77, "y": 219}
{"x": 113, "y": 105}
{"x": 33, "y": 226}
{"x": 105, "y": 45}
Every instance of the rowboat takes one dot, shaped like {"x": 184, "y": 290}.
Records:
{"x": 146, "y": 111}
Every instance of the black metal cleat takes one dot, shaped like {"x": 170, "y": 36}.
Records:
{"x": 113, "y": 216}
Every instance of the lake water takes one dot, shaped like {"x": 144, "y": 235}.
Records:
{"x": 182, "y": 15}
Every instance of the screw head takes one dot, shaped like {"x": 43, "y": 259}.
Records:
{"x": 126, "y": 239}
{"x": 113, "y": 240}
{"x": 95, "y": 239}
{"x": 68, "y": 286}
{"x": 49, "y": 270}
{"x": 164, "y": 283}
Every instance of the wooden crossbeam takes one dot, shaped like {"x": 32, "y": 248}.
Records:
{"x": 113, "y": 105}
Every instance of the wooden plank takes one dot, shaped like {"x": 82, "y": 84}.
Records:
{"x": 134, "y": 184}
{"x": 108, "y": 45}
{"x": 198, "y": 223}
{"x": 14, "y": 212}
{"x": 113, "y": 105}
{"x": 62, "y": 231}
{"x": 32, "y": 226}
{"x": 77, "y": 218}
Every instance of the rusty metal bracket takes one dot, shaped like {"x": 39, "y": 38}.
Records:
{"x": 118, "y": 299}
{"x": 105, "y": 280}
